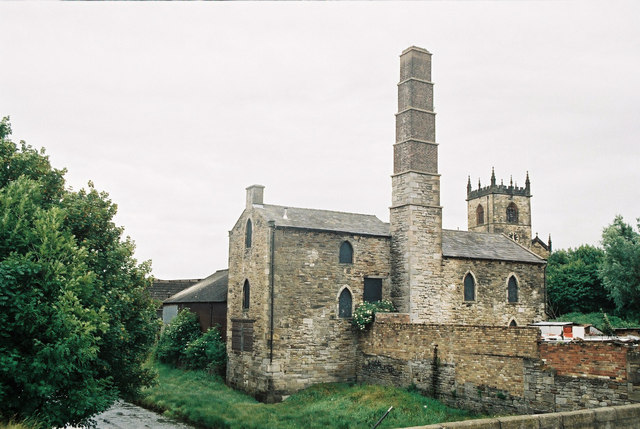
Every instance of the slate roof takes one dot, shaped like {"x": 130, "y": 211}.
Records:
{"x": 163, "y": 289}
{"x": 484, "y": 245}
{"x": 210, "y": 289}
{"x": 324, "y": 220}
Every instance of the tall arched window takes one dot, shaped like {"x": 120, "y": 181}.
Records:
{"x": 513, "y": 323}
{"x": 480, "y": 215}
{"x": 512, "y": 289}
{"x": 344, "y": 303}
{"x": 512, "y": 213}
{"x": 246, "y": 295}
{"x": 469, "y": 288}
{"x": 247, "y": 234}
{"x": 346, "y": 253}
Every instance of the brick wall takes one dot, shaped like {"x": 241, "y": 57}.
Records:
{"x": 594, "y": 359}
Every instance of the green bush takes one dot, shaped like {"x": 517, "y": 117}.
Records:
{"x": 207, "y": 352}
{"x": 176, "y": 336}
{"x": 364, "y": 313}
{"x": 598, "y": 320}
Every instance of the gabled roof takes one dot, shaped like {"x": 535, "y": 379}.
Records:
{"x": 163, "y": 289}
{"x": 324, "y": 220}
{"x": 210, "y": 289}
{"x": 484, "y": 245}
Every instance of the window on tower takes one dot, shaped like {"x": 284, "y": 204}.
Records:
{"x": 480, "y": 214}
{"x": 512, "y": 213}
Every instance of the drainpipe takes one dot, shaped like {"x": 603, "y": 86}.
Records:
{"x": 546, "y": 310}
{"x": 272, "y": 245}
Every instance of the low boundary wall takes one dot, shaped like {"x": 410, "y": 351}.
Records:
{"x": 498, "y": 369}
{"x": 619, "y": 417}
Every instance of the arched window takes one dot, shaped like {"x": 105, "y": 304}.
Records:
{"x": 512, "y": 213}
{"x": 469, "y": 288}
{"x": 512, "y": 289}
{"x": 344, "y": 303}
{"x": 246, "y": 293}
{"x": 247, "y": 234}
{"x": 513, "y": 323}
{"x": 346, "y": 253}
{"x": 480, "y": 215}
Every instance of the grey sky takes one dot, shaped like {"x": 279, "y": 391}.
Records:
{"x": 174, "y": 108}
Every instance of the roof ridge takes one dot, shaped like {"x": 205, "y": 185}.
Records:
{"x": 321, "y": 210}
{"x": 534, "y": 254}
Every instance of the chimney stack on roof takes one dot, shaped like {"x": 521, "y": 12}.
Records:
{"x": 255, "y": 195}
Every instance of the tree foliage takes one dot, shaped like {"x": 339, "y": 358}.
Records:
{"x": 76, "y": 322}
{"x": 620, "y": 269}
{"x": 176, "y": 336}
{"x": 573, "y": 281}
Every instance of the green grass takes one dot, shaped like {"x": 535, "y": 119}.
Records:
{"x": 596, "y": 319}
{"x": 203, "y": 399}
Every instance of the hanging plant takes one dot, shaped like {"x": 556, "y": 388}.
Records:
{"x": 364, "y": 313}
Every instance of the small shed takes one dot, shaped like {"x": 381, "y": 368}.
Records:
{"x": 565, "y": 330}
{"x": 207, "y": 298}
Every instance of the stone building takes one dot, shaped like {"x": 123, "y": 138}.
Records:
{"x": 296, "y": 274}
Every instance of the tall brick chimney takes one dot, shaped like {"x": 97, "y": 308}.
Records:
{"x": 416, "y": 214}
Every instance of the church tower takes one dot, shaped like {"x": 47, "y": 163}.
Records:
{"x": 415, "y": 213}
{"x": 501, "y": 208}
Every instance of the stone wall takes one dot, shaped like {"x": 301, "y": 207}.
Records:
{"x": 495, "y": 216}
{"x": 491, "y": 306}
{"x": 311, "y": 343}
{"x": 475, "y": 367}
{"x": 620, "y": 417}
{"x": 498, "y": 369}
{"x": 247, "y": 370}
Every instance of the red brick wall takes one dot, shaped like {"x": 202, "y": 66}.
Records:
{"x": 586, "y": 359}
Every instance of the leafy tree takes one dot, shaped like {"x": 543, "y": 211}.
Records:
{"x": 75, "y": 320}
{"x": 573, "y": 282}
{"x": 620, "y": 268}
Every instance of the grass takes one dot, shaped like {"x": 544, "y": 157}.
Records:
{"x": 204, "y": 400}
{"x": 596, "y": 319}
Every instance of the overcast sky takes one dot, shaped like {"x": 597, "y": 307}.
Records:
{"x": 175, "y": 108}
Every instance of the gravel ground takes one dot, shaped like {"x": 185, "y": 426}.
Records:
{"x": 128, "y": 416}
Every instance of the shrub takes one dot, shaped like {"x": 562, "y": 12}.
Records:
{"x": 364, "y": 313}
{"x": 176, "y": 336}
{"x": 207, "y": 352}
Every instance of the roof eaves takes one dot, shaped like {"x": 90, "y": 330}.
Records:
{"x": 336, "y": 231}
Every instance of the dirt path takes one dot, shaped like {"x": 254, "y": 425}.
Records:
{"x": 123, "y": 415}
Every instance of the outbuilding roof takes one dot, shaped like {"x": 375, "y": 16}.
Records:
{"x": 210, "y": 289}
{"x": 325, "y": 220}
{"x": 163, "y": 289}
{"x": 485, "y": 245}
